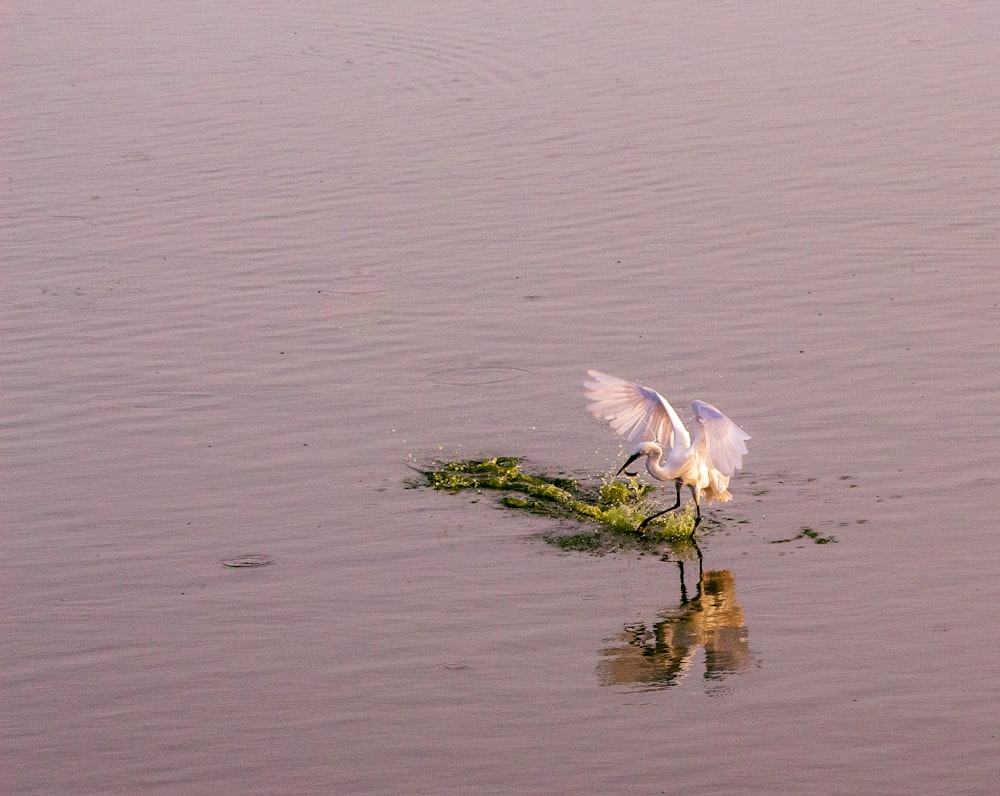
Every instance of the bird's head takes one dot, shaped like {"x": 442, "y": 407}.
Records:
{"x": 645, "y": 448}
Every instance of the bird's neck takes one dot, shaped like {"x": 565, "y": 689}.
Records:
{"x": 661, "y": 471}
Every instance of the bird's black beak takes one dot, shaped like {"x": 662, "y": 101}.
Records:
{"x": 631, "y": 459}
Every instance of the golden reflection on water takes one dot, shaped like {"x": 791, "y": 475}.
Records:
{"x": 660, "y": 654}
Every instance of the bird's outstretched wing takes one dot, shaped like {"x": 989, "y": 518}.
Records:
{"x": 636, "y": 412}
{"x": 724, "y": 441}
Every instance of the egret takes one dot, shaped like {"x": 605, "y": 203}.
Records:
{"x": 644, "y": 417}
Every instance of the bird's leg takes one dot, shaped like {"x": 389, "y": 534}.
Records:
{"x": 697, "y": 505}
{"x": 646, "y": 521}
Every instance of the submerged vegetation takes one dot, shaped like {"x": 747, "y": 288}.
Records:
{"x": 807, "y": 533}
{"x": 615, "y": 507}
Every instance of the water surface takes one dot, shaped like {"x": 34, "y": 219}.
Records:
{"x": 257, "y": 262}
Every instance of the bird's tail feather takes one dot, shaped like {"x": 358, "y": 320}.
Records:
{"x": 723, "y": 497}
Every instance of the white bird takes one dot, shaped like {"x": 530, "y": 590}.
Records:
{"x": 644, "y": 417}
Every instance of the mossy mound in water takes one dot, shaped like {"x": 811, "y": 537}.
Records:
{"x": 615, "y": 506}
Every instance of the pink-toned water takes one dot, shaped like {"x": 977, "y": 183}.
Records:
{"x": 257, "y": 261}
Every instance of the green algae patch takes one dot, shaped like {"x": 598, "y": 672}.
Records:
{"x": 615, "y": 508}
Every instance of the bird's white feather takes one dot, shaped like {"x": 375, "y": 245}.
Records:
{"x": 724, "y": 441}
{"x": 637, "y": 413}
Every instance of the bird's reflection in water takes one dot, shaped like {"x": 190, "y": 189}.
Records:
{"x": 658, "y": 655}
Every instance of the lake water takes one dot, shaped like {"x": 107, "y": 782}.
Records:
{"x": 258, "y": 262}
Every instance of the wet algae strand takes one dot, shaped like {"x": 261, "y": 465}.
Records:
{"x": 617, "y": 506}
